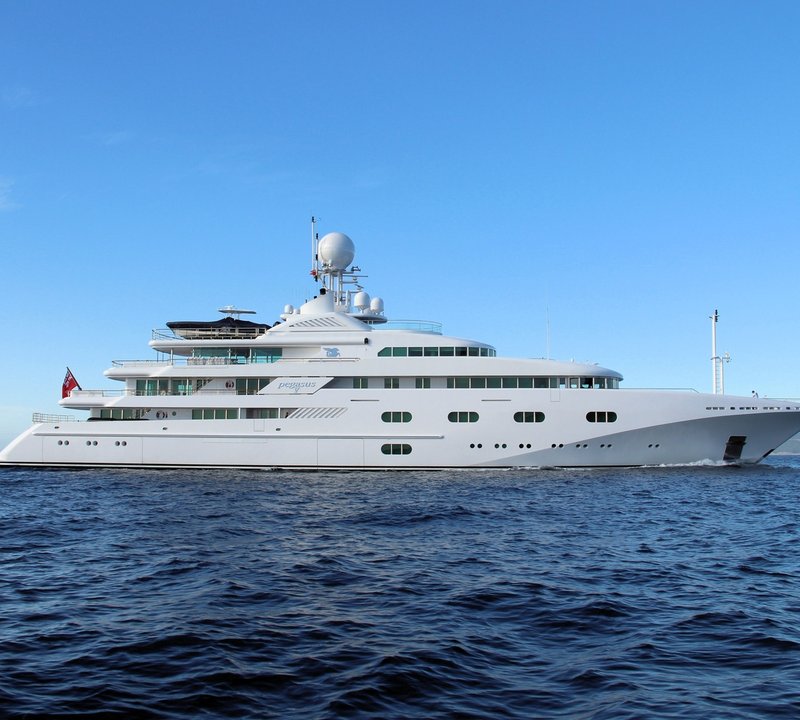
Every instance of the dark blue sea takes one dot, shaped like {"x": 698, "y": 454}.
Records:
{"x": 648, "y": 593}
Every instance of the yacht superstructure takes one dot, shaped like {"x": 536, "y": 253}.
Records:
{"x": 334, "y": 384}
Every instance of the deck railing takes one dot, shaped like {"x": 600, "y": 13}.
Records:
{"x": 425, "y": 326}
{"x": 221, "y": 333}
{"x": 49, "y": 418}
{"x": 216, "y": 361}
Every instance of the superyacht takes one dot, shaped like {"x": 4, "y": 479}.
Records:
{"x": 335, "y": 384}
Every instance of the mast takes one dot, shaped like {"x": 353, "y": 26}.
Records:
{"x": 714, "y": 356}
{"x": 314, "y": 256}
{"x": 547, "y": 337}
{"x": 717, "y": 361}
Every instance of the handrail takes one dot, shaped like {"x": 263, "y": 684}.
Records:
{"x": 100, "y": 393}
{"x": 142, "y": 363}
{"x": 201, "y": 361}
{"x": 221, "y": 333}
{"x": 674, "y": 389}
{"x": 50, "y": 418}
{"x": 426, "y": 326}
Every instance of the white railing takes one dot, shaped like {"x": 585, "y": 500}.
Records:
{"x": 671, "y": 389}
{"x": 218, "y": 333}
{"x": 221, "y": 361}
{"x": 426, "y": 326}
{"x": 140, "y": 363}
{"x": 49, "y": 418}
{"x": 98, "y": 393}
{"x": 81, "y": 394}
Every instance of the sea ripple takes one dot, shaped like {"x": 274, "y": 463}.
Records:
{"x": 659, "y": 592}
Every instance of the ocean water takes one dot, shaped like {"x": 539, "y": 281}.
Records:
{"x": 661, "y": 592}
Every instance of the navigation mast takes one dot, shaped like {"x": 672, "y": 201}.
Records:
{"x": 717, "y": 366}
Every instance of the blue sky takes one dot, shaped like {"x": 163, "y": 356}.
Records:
{"x": 623, "y": 167}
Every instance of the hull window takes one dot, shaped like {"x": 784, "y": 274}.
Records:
{"x": 601, "y": 416}
{"x": 462, "y": 416}
{"x": 529, "y": 416}
{"x": 396, "y": 449}
{"x": 396, "y": 416}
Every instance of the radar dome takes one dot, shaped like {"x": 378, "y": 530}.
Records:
{"x": 376, "y": 305}
{"x": 361, "y": 300}
{"x": 336, "y": 251}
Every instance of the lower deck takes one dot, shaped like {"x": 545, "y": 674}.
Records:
{"x": 259, "y": 444}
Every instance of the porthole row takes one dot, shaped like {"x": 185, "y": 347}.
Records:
{"x": 520, "y": 416}
{"x": 529, "y": 446}
{"x": 581, "y": 446}
{"x": 556, "y": 446}
{"x": 94, "y": 443}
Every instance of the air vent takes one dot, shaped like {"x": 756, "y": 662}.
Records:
{"x": 322, "y": 322}
{"x": 322, "y": 413}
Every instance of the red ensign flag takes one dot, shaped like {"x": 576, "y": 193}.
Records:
{"x": 70, "y": 383}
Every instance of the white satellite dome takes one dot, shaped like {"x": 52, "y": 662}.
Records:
{"x": 361, "y": 300}
{"x": 376, "y": 305}
{"x": 336, "y": 251}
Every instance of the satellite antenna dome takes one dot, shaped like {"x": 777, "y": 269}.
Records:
{"x": 361, "y": 300}
{"x": 336, "y": 251}
{"x": 288, "y": 309}
{"x": 376, "y": 305}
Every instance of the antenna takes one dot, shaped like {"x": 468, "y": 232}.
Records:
{"x": 714, "y": 358}
{"x": 717, "y": 361}
{"x": 547, "y": 315}
{"x": 314, "y": 239}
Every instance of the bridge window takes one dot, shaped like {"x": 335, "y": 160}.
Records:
{"x": 431, "y": 351}
{"x": 122, "y": 413}
{"x": 215, "y": 413}
{"x": 263, "y": 413}
{"x": 251, "y": 386}
{"x": 525, "y": 383}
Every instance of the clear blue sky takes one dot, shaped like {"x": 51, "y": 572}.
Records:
{"x": 629, "y": 165}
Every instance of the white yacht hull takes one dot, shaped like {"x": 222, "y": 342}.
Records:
{"x": 336, "y": 385}
{"x": 653, "y": 428}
